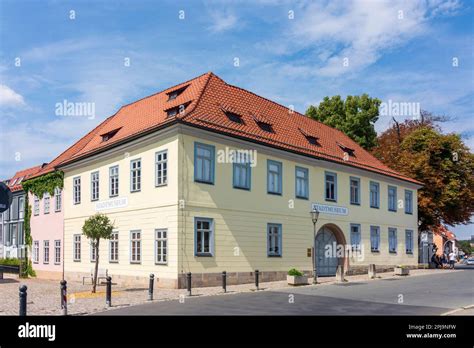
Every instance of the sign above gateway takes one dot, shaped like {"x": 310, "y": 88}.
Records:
{"x": 330, "y": 209}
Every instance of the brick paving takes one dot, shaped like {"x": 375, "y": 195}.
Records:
{"x": 44, "y": 295}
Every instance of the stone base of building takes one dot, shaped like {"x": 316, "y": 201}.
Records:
{"x": 48, "y": 275}
{"x": 364, "y": 269}
{"x": 124, "y": 280}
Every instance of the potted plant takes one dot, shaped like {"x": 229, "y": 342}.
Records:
{"x": 296, "y": 277}
{"x": 401, "y": 270}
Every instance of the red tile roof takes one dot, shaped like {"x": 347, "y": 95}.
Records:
{"x": 444, "y": 232}
{"x": 207, "y": 98}
{"x": 14, "y": 183}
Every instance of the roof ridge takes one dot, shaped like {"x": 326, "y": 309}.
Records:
{"x": 199, "y": 97}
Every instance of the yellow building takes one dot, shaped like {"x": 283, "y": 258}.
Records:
{"x": 206, "y": 177}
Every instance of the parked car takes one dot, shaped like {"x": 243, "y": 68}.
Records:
{"x": 470, "y": 261}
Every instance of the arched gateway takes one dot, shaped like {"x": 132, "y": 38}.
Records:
{"x": 327, "y": 238}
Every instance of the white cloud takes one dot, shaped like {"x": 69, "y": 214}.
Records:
{"x": 222, "y": 21}
{"x": 10, "y": 98}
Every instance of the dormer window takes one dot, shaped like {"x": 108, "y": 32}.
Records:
{"x": 109, "y": 135}
{"x": 19, "y": 180}
{"x": 267, "y": 127}
{"x": 174, "y": 111}
{"x": 174, "y": 94}
{"x": 312, "y": 139}
{"x": 234, "y": 117}
{"x": 13, "y": 182}
{"x": 346, "y": 149}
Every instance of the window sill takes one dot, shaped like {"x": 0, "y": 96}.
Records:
{"x": 392, "y": 211}
{"x": 113, "y": 261}
{"x": 330, "y": 200}
{"x": 353, "y": 203}
{"x": 273, "y": 255}
{"x": 135, "y": 191}
{"x": 274, "y": 193}
{"x": 242, "y": 188}
{"x": 204, "y": 255}
{"x": 161, "y": 185}
{"x": 57, "y": 263}
{"x": 77, "y": 203}
{"x": 113, "y": 196}
{"x": 57, "y": 211}
{"x": 161, "y": 263}
{"x": 301, "y": 197}
{"x": 204, "y": 182}
{"x": 392, "y": 252}
{"x": 135, "y": 262}
{"x": 374, "y": 207}
{"x": 77, "y": 260}
{"x": 46, "y": 213}
{"x": 408, "y": 213}
{"x": 375, "y": 251}
{"x": 409, "y": 252}
{"x": 94, "y": 200}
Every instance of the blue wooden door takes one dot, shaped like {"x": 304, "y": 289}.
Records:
{"x": 326, "y": 264}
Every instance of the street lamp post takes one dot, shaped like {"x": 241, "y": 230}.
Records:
{"x": 314, "y": 217}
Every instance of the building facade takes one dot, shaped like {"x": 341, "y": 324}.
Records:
{"x": 46, "y": 223}
{"x": 205, "y": 177}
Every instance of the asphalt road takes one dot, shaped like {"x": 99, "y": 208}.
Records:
{"x": 422, "y": 295}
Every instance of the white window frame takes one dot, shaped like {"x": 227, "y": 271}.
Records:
{"x": 161, "y": 246}
{"x": 301, "y": 182}
{"x": 114, "y": 247}
{"x": 136, "y": 175}
{"x": 57, "y": 199}
{"x": 36, "y": 251}
{"x": 114, "y": 181}
{"x": 77, "y": 247}
{"x": 136, "y": 246}
{"x": 21, "y": 208}
{"x": 36, "y": 205}
{"x": 93, "y": 254}
{"x": 390, "y": 250}
{"x": 95, "y": 186}
{"x": 161, "y": 168}
{"x": 354, "y": 190}
{"x": 356, "y": 237}
{"x": 327, "y": 185}
{"x": 46, "y": 252}
{"x": 408, "y": 202}
{"x": 46, "y": 203}
{"x": 203, "y": 231}
{"x": 409, "y": 246}
{"x": 57, "y": 252}
{"x": 76, "y": 190}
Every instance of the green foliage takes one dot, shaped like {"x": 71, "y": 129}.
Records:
{"x": 26, "y": 267}
{"x": 465, "y": 246}
{"x": 10, "y": 262}
{"x": 355, "y": 117}
{"x": 294, "y": 272}
{"x": 98, "y": 227}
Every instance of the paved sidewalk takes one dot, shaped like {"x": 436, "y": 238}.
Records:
{"x": 44, "y": 295}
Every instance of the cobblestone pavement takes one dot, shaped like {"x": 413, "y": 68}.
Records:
{"x": 44, "y": 295}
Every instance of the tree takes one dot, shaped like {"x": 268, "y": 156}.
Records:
{"x": 355, "y": 117}
{"x": 465, "y": 246}
{"x": 95, "y": 228}
{"x": 444, "y": 164}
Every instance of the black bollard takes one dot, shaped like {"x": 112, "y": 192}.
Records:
{"x": 64, "y": 296}
{"x": 256, "y": 278}
{"x": 108, "y": 292}
{"x": 150, "y": 287}
{"x": 23, "y": 289}
{"x": 189, "y": 283}
{"x": 224, "y": 281}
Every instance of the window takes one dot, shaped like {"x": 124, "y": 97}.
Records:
{"x": 274, "y": 177}
{"x": 95, "y": 186}
{"x": 47, "y": 203}
{"x": 77, "y": 247}
{"x": 36, "y": 248}
{"x": 355, "y": 237}
{"x": 161, "y": 163}
{"x": 113, "y": 181}
{"x": 57, "y": 196}
{"x": 135, "y": 175}
{"x": 21, "y": 234}
{"x": 409, "y": 241}
{"x": 374, "y": 194}
{"x": 241, "y": 171}
{"x": 46, "y": 251}
{"x": 392, "y": 240}
{"x": 331, "y": 186}
{"x": 267, "y": 127}
{"x": 135, "y": 247}
{"x": 204, "y": 237}
{"x": 174, "y": 94}
{"x": 57, "y": 252}
{"x": 408, "y": 202}
{"x": 355, "y": 190}
{"x": 392, "y": 198}
{"x": 36, "y": 206}
{"x": 232, "y": 116}
{"x": 113, "y": 247}
{"x": 374, "y": 238}
{"x": 161, "y": 241}
{"x": 93, "y": 252}
{"x": 109, "y": 135}
{"x": 77, "y": 190}
{"x": 302, "y": 183}
{"x": 204, "y": 163}
{"x": 273, "y": 240}
{"x": 21, "y": 208}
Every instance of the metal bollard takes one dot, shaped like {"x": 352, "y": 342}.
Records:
{"x": 189, "y": 279}
{"x": 256, "y": 278}
{"x": 64, "y": 296}
{"x": 150, "y": 287}
{"x": 108, "y": 292}
{"x": 23, "y": 289}
{"x": 224, "y": 281}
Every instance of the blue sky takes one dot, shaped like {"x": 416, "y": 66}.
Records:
{"x": 290, "y": 52}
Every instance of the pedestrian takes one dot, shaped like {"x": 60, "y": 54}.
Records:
{"x": 443, "y": 261}
{"x": 452, "y": 259}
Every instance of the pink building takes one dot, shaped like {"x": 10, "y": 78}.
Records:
{"x": 47, "y": 221}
